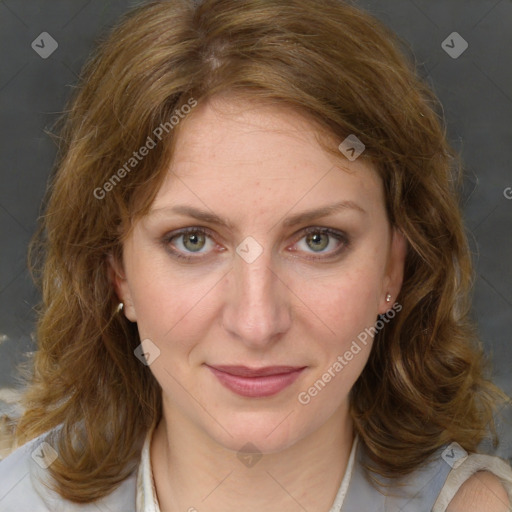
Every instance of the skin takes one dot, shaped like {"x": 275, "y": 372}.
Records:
{"x": 482, "y": 491}
{"x": 255, "y": 165}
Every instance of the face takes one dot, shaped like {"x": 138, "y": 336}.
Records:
{"x": 263, "y": 288}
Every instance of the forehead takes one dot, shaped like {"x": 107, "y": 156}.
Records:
{"x": 224, "y": 129}
{"x": 241, "y": 147}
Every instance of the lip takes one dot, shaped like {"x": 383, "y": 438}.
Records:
{"x": 256, "y": 382}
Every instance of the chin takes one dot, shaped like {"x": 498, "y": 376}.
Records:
{"x": 266, "y": 431}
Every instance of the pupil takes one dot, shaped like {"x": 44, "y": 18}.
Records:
{"x": 316, "y": 238}
{"x": 193, "y": 239}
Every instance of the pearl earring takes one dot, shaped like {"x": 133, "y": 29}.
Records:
{"x": 388, "y": 297}
{"x": 120, "y": 307}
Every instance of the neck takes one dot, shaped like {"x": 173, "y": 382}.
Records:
{"x": 194, "y": 473}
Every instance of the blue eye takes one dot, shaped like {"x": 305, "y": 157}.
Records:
{"x": 194, "y": 239}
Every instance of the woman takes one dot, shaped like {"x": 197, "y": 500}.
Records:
{"x": 255, "y": 278}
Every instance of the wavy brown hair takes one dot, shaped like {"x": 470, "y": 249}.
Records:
{"x": 424, "y": 384}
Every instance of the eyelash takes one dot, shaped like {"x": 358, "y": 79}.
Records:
{"x": 338, "y": 235}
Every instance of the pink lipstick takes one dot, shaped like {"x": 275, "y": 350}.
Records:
{"x": 256, "y": 382}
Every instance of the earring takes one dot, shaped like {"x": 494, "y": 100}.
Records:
{"x": 388, "y": 297}
{"x": 120, "y": 307}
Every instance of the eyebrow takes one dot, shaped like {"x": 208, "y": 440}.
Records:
{"x": 293, "y": 220}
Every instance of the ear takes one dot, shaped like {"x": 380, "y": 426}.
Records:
{"x": 394, "y": 270}
{"x": 118, "y": 279}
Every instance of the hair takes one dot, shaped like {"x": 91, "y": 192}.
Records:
{"x": 425, "y": 381}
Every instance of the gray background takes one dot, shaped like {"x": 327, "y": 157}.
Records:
{"x": 475, "y": 90}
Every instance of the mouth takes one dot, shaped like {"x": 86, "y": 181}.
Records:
{"x": 256, "y": 382}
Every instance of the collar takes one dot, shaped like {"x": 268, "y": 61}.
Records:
{"x": 146, "y": 499}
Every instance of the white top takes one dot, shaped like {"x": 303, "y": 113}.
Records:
{"x": 147, "y": 500}
{"x": 23, "y": 476}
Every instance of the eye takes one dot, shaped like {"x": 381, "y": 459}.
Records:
{"x": 318, "y": 239}
{"x": 192, "y": 240}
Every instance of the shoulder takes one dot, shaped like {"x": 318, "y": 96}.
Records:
{"x": 16, "y": 486}
{"x": 24, "y": 484}
{"x": 475, "y": 483}
{"x": 482, "y": 491}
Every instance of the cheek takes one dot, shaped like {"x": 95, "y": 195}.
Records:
{"x": 168, "y": 309}
{"x": 348, "y": 310}
{"x": 346, "y": 301}
{"x": 164, "y": 298}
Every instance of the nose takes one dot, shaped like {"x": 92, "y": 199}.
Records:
{"x": 257, "y": 309}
